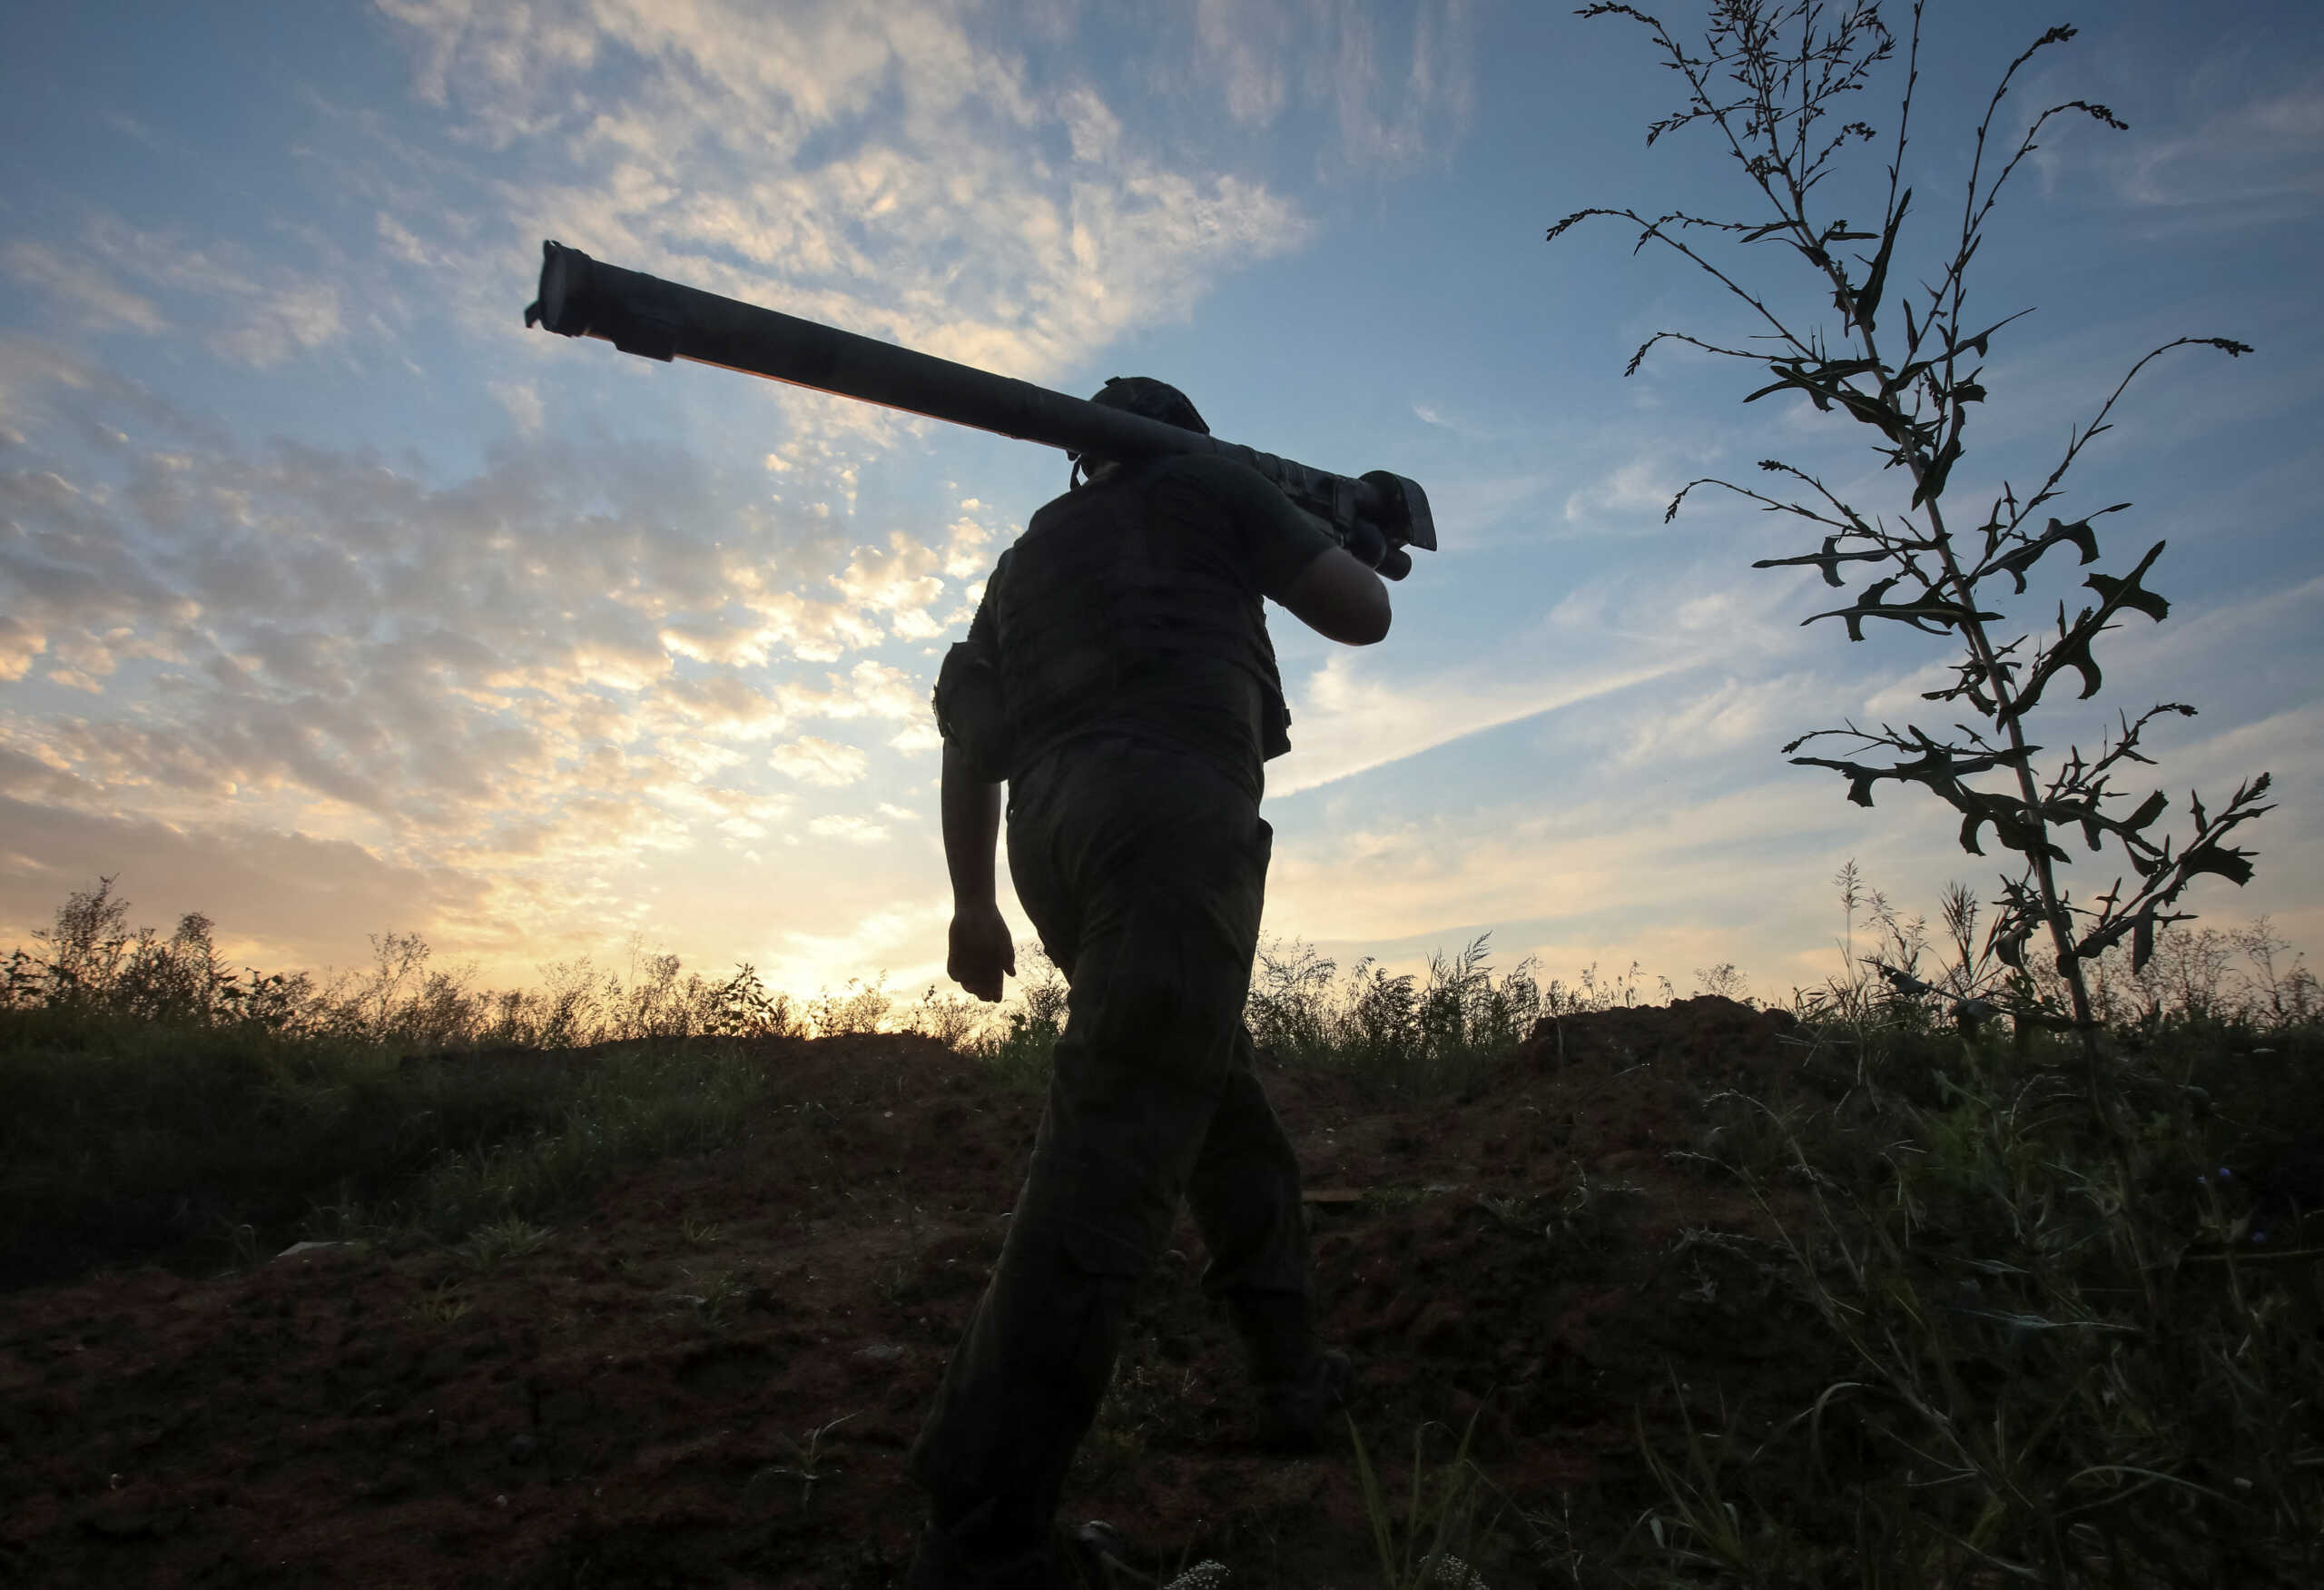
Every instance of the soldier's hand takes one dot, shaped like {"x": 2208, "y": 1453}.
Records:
{"x": 981, "y": 951}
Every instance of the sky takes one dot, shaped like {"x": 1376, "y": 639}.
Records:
{"x": 334, "y": 602}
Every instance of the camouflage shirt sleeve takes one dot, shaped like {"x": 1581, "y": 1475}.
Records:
{"x": 1278, "y": 539}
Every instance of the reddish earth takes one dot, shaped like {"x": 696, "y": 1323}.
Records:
{"x": 633, "y": 1403}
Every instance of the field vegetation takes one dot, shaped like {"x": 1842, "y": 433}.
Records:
{"x": 2036, "y": 1358}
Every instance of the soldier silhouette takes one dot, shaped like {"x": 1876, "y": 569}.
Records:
{"x": 1119, "y": 677}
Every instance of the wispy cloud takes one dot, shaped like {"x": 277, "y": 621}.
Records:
{"x": 1630, "y": 491}
{"x": 1350, "y": 719}
{"x": 536, "y": 673}
{"x": 522, "y": 401}
{"x": 2259, "y": 159}
{"x": 1393, "y": 96}
{"x": 2228, "y": 138}
{"x": 1609, "y": 867}
{"x": 102, "y": 303}
{"x": 848, "y": 828}
{"x": 248, "y": 311}
{"x": 1663, "y": 862}
{"x": 881, "y": 166}
{"x": 816, "y": 761}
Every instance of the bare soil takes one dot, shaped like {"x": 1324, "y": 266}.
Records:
{"x": 636, "y": 1401}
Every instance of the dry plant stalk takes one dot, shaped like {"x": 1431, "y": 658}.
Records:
{"x": 1770, "y": 80}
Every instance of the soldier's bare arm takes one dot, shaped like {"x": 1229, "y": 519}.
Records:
{"x": 979, "y": 949}
{"x": 1298, "y": 561}
{"x": 1340, "y": 599}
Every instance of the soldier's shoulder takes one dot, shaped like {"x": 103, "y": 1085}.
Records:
{"x": 1211, "y": 468}
{"x": 1230, "y": 482}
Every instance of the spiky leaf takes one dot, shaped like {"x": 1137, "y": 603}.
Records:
{"x": 1828, "y": 561}
{"x": 1876, "y": 279}
{"x": 2078, "y": 534}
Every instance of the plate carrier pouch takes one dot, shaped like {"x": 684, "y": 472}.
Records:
{"x": 1095, "y": 604}
{"x": 970, "y": 711}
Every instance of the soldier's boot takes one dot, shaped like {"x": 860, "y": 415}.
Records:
{"x": 1102, "y": 1558}
{"x": 1296, "y": 1416}
{"x": 1300, "y": 1383}
{"x": 1089, "y": 1556}
{"x": 965, "y": 1556}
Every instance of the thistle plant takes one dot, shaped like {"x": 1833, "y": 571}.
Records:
{"x": 1771, "y": 84}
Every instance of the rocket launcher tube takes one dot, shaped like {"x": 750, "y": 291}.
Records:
{"x": 642, "y": 314}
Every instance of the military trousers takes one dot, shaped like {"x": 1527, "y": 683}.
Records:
{"x": 1144, "y": 872}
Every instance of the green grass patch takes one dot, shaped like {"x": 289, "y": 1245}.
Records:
{"x": 131, "y": 1139}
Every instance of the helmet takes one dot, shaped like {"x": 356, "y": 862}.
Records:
{"x": 1147, "y": 399}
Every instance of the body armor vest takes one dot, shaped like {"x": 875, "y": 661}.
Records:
{"x": 1115, "y": 593}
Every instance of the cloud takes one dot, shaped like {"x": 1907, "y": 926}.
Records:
{"x": 1590, "y": 864}
{"x": 2257, "y": 159}
{"x": 848, "y": 829}
{"x": 897, "y": 585}
{"x": 1092, "y": 131}
{"x": 742, "y": 709}
{"x": 1729, "y": 717}
{"x": 917, "y": 739}
{"x": 1689, "y": 625}
{"x": 289, "y": 318}
{"x": 530, "y": 679}
{"x": 1460, "y": 423}
{"x": 1245, "y": 49}
{"x": 873, "y": 689}
{"x": 102, "y": 305}
{"x": 1348, "y": 719}
{"x": 965, "y": 540}
{"x": 818, "y": 762}
{"x": 247, "y": 311}
{"x": 1683, "y": 862}
{"x": 307, "y": 901}
{"x": 2227, "y": 137}
{"x": 1639, "y": 486}
{"x": 893, "y": 937}
{"x": 1385, "y": 106}
{"x": 1467, "y": 507}
{"x": 1388, "y": 104}
{"x": 522, "y": 401}
{"x": 876, "y": 165}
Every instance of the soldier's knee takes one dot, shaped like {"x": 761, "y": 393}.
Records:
{"x": 1165, "y": 1016}
{"x": 1119, "y": 1253}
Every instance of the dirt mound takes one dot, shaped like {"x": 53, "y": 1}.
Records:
{"x": 1703, "y": 1035}
{"x": 712, "y": 1375}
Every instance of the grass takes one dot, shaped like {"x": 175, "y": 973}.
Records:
{"x": 132, "y": 1137}
{"x": 1425, "y": 1548}
{"x": 810, "y": 1464}
{"x": 2034, "y": 1346}
{"x": 510, "y": 1237}
{"x": 2045, "y": 1358}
